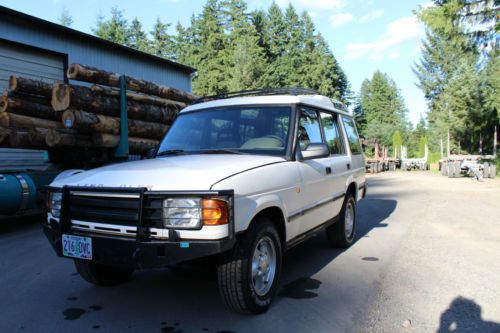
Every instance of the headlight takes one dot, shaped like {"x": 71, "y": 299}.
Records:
{"x": 54, "y": 203}
{"x": 182, "y": 213}
{"x": 191, "y": 213}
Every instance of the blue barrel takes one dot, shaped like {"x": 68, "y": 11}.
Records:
{"x": 17, "y": 193}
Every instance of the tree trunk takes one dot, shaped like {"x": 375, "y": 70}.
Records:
{"x": 91, "y": 122}
{"x": 33, "y": 87}
{"x": 95, "y": 75}
{"x": 12, "y": 120}
{"x": 139, "y": 97}
{"x": 78, "y": 97}
{"x": 61, "y": 138}
{"x": 136, "y": 145}
{"x": 26, "y": 108}
{"x": 23, "y": 139}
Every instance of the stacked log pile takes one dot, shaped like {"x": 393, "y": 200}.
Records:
{"x": 35, "y": 114}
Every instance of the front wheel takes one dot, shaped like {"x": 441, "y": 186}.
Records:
{"x": 102, "y": 275}
{"x": 248, "y": 276}
{"x": 341, "y": 233}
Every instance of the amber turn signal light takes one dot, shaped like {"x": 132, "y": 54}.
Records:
{"x": 215, "y": 212}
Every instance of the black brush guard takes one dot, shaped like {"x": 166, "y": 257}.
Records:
{"x": 141, "y": 251}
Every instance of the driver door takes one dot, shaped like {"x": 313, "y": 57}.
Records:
{"x": 316, "y": 193}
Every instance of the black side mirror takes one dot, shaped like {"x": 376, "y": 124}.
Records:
{"x": 152, "y": 153}
{"x": 315, "y": 150}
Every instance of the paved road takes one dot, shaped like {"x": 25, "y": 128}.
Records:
{"x": 426, "y": 259}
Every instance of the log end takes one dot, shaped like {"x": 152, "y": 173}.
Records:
{"x": 4, "y": 119}
{"x": 4, "y": 103}
{"x": 12, "y": 83}
{"x": 68, "y": 119}
{"x": 73, "y": 71}
{"x": 60, "y": 96}
{"x": 52, "y": 138}
{"x": 4, "y": 134}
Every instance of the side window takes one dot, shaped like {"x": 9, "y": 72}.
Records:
{"x": 331, "y": 131}
{"x": 309, "y": 130}
{"x": 352, "y": 135}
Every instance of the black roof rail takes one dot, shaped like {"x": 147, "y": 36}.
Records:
{"x": 259, "y": 92}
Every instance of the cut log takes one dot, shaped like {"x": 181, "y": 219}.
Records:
{"x": 138, "y": 97}
{"x": 26, "y": 108}
{"x": 136, "y": 145}
{"x": 78, "y": 97}
{"x": 23, "y": 139}
{"x": 34, "y": 87}
{"x": 94, "y": 75}
{"x": 60, "y": 138}
{"x": 13, "y": 120}
{"x": 4, "y": 134}
{"x": 91, "y": 122}
{"x": 37, "y": 134}
{"x": 28, "y": 97}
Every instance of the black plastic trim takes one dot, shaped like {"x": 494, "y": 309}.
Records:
{"x": 308, "y": 210}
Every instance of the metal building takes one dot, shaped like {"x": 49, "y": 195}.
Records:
{"x": 35, "y": 48}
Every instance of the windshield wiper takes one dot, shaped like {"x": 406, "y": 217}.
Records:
{"x": 221, "y": 151}
{"x": 171, "y": 152}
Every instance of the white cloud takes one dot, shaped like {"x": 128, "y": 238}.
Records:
{"x": 371, "y": 16}
{"x": 394, "y": 55}
{"x": 314, "y": 4}
{"x": 336, "y": 20}
{"x": 397, "y": 32}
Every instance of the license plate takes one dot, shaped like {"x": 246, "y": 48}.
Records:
{"x": 77, "y": 247}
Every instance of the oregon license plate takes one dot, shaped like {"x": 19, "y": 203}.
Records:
{"x": 77, "y": 247}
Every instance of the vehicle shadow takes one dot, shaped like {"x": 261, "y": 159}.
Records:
{"x": 310, "y": 257}
{"x": 464, "y": 315}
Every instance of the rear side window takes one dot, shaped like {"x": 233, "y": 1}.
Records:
{"x": 309, "y": 130}
{"x": 331, "y": 131}
{"x": 352, "y": 135}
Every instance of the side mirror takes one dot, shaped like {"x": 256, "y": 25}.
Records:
{"x": 315, "y": 150}
{"x": 152, "y": 153}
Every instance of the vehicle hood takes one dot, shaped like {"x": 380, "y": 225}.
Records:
{"x": 183, "y": 172}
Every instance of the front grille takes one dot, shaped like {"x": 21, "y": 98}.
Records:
{"x": 102, "y": 207}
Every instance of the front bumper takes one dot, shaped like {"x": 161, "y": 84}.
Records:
{"x": 125, "y": 252}
{"x": 141, "y": 250}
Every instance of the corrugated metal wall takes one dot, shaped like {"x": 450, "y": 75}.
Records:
{"x": 23, "y": 160}
{"x": 93, "y": 54}
{"x": 30, "y": 63}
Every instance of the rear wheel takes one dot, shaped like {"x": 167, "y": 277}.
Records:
{"x": 248, "y": 276}
{"x": 102, "y": 275}
{"x": 341, "y": 233}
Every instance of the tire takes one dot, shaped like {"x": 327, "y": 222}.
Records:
{"x": 493, "y": 170}
{"x": 102, "y": 275}
{"x": 486, "y": 170}
{"x": 240, "y": 283}
{"x": 340, "y": 235}
{"x": 450, "y": 170}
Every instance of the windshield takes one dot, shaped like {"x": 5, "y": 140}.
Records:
{"x": 246, "y": 130}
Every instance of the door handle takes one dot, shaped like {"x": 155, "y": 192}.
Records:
{"x": 348, "y": 166}
{"x": 328, "y": 170}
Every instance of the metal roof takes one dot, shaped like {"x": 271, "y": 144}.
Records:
{"x": 91, "y": 38}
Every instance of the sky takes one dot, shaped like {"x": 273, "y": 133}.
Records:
{"x": 364, "y": 35}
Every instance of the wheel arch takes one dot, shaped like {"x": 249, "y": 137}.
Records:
{"x": 352, "y": 188}
{"x": 276, "y": 216}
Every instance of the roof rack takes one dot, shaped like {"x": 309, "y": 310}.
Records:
{"x": 259, "y": 92}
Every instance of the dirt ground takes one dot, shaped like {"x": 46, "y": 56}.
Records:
{"x": 426, "y": 259}
{"x": 445, "y": 274}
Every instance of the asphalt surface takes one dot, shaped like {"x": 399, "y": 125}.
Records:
{"x": 426, "y": 259}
